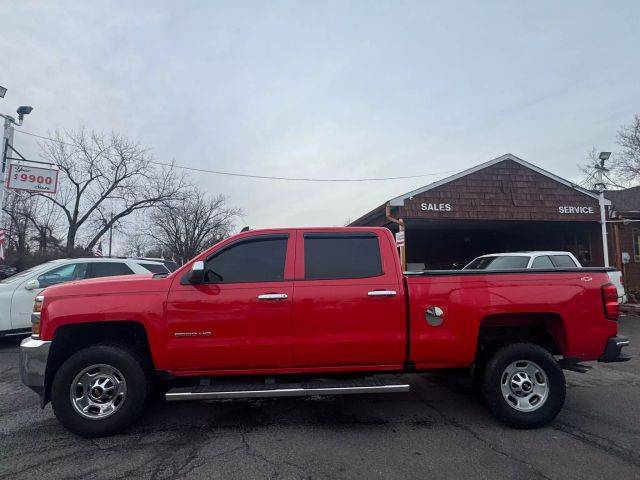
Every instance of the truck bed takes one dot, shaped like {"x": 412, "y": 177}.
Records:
{"x": 562, "y": 302}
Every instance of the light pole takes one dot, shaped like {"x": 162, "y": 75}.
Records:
{"x": 601, "y": 187}
{"x": 7, "y": 142}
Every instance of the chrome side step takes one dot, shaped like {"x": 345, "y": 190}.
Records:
{"x": 266, "y": 391}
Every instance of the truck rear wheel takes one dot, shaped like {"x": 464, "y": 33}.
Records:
{"x": 99, "y": 390}
{"x": 523, "y": 385}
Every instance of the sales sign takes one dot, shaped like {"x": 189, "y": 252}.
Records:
{"x": 32, "y": 179}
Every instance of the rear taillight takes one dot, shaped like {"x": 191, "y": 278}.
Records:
{"x": 610, "y": 301}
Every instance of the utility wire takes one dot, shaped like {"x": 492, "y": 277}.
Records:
{"x": 261, "y": 177}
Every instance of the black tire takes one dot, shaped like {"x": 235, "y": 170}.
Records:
{"x": 128, "y": 363}
{"x": 503, "y": 409}
{"x": 477, "y": 375}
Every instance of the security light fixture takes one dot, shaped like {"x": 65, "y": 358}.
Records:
{"x": 3, "y": 92}
{"x": 604, "y": 156}
{"x": 22, "y": 111}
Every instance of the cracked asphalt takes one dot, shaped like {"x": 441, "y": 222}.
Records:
{"x": 440, "y": 430}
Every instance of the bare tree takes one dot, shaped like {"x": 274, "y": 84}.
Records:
{"x": 137, "y": 243}
{"x": 186, "y": 227}
{"x": 19, "y": 227}
{"x": 104, "y": 179}
{"x": 46, "y": 220}
{"x": 627, "y": 160}
{"x": 624, "y": 168}
{"x": 33, "y": 229}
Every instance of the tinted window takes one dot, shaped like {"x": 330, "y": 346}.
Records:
{"x": 171, "y": 266}
{"x": 65, "y": 273}
{"x": 107, "y": 269}
{"x": 345, "y": 256}
{"x": 254, "y": 260}
{"x": 499, "y": 263}
{"x": 542, "y": 262}
{"x": 154, "y": 267}
{"x": 563, "y": 261}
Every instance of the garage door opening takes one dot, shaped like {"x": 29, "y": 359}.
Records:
{"x": 442, "y": 244}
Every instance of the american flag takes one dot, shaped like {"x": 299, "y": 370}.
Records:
{"x": 2, "y": 237}
{"x": 98, "y": 251}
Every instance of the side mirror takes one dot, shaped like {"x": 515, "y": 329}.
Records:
{"x": 196, "y": 275}
{"x": 32, "y": 284}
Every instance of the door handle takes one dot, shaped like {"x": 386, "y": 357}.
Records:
{"x": 382, "y": 293}
{"x": 273, "y": 296}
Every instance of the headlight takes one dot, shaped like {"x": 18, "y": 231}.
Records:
{"x": 37, "y": 306}
{"x": 35, "y": 316}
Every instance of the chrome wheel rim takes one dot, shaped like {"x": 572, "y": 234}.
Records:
{"x": 524, "y": 385}
{"x": 98, "y": 391}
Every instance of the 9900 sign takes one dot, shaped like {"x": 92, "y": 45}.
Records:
{"x": 32, "y": 179}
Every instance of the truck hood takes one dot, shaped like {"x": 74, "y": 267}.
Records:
{"x": 138, "y": 283}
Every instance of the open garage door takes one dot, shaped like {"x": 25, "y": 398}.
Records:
{"x": 443, "y": 244}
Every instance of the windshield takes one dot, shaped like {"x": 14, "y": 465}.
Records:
{"x": 26, "y": 273}
{"x": 506, "y": 262}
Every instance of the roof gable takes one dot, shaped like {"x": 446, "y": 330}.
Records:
{"x": 627, "y": 200}
{"x": 399, "y": 201}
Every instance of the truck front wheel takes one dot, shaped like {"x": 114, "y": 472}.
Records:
{"x": 99, "y": 390}
{"x": 523, "y": 385}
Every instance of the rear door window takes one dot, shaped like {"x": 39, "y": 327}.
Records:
{"x": 563, "y": 261}
{"x": 107, "y": 269}
{"x": 331, "y": 256}
{"x": 542, "y": 262}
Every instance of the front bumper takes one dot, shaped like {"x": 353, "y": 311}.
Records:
{"x": 613, "y": 350}
{"x": 33, "y": 364}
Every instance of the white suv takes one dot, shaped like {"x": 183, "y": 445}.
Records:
{"x": 18, "y": 292}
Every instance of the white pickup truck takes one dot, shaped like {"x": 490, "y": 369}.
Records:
{"x": 540, "y": 260}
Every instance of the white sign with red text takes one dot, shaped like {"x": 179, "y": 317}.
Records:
{"x": 32, "y": 179}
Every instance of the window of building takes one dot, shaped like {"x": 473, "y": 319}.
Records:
{"x": 107, "y": 269}
{"x": 636, "y": 245}
{"x": 253, "y": 260}
{"x": 331, "y": 256}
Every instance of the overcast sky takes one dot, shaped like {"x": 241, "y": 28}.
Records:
{"x": 328, "y": 89}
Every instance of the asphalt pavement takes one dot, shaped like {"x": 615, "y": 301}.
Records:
{"x": 440, "y": 430}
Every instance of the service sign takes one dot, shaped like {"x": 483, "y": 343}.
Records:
{"x": 32, "y": 179}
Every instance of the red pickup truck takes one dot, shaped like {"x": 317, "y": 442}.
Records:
{"x": 313, "y": 311}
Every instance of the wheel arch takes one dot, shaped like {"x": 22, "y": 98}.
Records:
{"x": 545, "y": 329}
{"x": 72, "y": 338}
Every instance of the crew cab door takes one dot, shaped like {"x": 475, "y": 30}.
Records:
{"x": 348, "y": 301}
{"x": 240, "y": 318}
